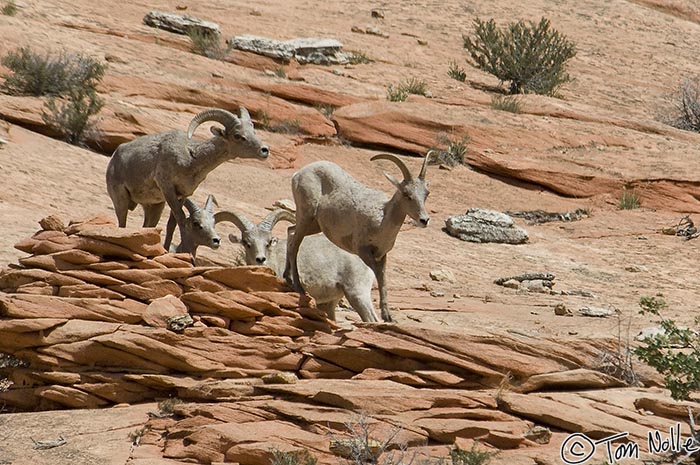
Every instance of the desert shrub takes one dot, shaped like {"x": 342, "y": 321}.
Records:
{"x": 675, "y": 352}
{"x": 208, "y": 44}
{"x": 9, "y": 8}
{"x": 35, "y": 74}
{"x": 449, "y": 150}
{"x": 396, "y": 94}
{"x": 302, "y": 457}
{"x": 414, "y": 86}
{"x": 70, "y": 117}
{"x": 472, "y": 456}
{"x": 359, "y": 57}
{"x": 456, "y": 72}
{"x": 509, "y": 103}
{"x": 532, "y": 57}
{"x": 629, "y": 200}
{"x": 686, "y": 102}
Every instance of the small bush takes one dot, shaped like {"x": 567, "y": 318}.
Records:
{"x": 37, "y": 75}
{"x": 414, "y": 86}
{"x": 207, "y": 44}
{"x": 470, "y": 457}
{"x": 302, "y": 457}
{"x": 509, "y": 103}
{"x": 359, "y": 57}
{"x": 456, "y": 72}
{"x": 448, "y": 150}
{"x": 9, "y": 8}
{"x": 396, "y": 94}
{"x": 285, "y": 126}
{"x": 532, "y": 57}
{"x": 71, "y": 117}
{"x": 675, "y": 353}
{"x": 686, "y": 114}
{"x": 629, "y": 200}
{"x": 280, "y": 72}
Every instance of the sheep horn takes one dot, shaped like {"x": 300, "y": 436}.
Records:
{"x": 211, "y": 201}
{"x": 404, "y": 169}
{"x": 278, "y": 215}
{"x": 424, "y": 168}
{"x": 226, "y": 118}
{"x": 240, "y": 221}
{"x": 245, "y": 116}
{"x": 191, "y": 206}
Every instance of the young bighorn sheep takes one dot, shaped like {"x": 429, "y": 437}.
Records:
{"x": 167, "y": 167}
{"x": 355, "y": 217}
{"x": 326, "y": 272}
{"x": 199, "y": 227}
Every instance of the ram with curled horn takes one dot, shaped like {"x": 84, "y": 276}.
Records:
{"x": 355, "y": 217}
{"x": 168, "y": 167}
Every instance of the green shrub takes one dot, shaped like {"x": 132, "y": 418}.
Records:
{"x": 456, "y": 72}
{"x": 675, "y": 353}
{"x": 414, "y": 86}
{"x": 532, "y": 57}
{"x": 448, "y": 150}
{"x": 302, "y": 457}
{"x": 34, "y": 74}
{"x": 70, "y": 117}
{"x": 686, "y": 114}
{"x": 629, "y": 200}
{"x": 208, "y": 44}
{"x": 359, "y": 57}
{"x": 9, "y": 8}
{"x": 470, "y": 457}
{"x": 509, "y": 103}
{"x": 396, "y": 94}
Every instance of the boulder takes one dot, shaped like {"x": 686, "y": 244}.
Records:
{"x": 479, "y": 225}
{"x": 305, "y": 50}
{"x": 181, "y": 24}
{"x": 161, "y": 310}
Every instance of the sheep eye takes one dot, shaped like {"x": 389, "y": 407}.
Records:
{"x": 239, "y": 137}
{"x": 408, "y": 196}
{"x": 198, "y": 225}
{"x": 246, "y": 244}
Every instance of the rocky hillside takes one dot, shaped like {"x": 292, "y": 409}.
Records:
{"x": 85, "y": 306}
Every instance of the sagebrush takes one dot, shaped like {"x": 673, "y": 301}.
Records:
{"x": 629, "y": 199}
{"x": 686, "y": 106}
{"x": 71, "y": 117}
{"x": 9, "y": 8}
{"x": 208, "y": 44}
{"x": 509, "y": 103}
{"x": 530, "y": 56}
{"x": 449, "y": 150}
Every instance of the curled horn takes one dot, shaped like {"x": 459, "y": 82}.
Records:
{"x": 423, "y": 168}
{"x": 240, "y": 221}
{"x": 278, "y": 215}
{"x": 191, "y": 206}
{"x": 404, "y": 169}
{"x": 226, "y": 118}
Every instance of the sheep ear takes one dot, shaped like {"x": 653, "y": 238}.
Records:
{"x": 217, "y": 131}
{"x": 234, "y": 238}
{"x": 392, "y": 179}
{"x": 209, "y": 205}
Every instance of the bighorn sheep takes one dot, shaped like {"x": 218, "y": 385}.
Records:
{"x": 355, "y": 217}
{"x": 199, "y": 227}
{"x": 326, "y": 272}
{"x": 167, "y": 167}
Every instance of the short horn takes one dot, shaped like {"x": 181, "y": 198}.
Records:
{"x": 276, "y": 216}
{"x": 190, "y": 206}
{"x": 402, "y": 166}
{"x": 245, "y": 116}
{"x": 226, "y": 118}
{"x": 240, "y": 221}
{"x": 424, "y": 168}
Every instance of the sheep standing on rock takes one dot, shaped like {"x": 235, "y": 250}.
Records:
{"x": 327, "y": 272}
{"x": 167, "y": 167}
{"x": 355, "y": 217}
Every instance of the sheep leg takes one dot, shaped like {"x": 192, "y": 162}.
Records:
{"x": 176, "y": 211}
{"x": 169, "y": 231}
{"x": 291, "y": 270}
{"x": 152, "y": 214}
{"x": 378, "y": 266}
{"x": 361, "y": 302}
{"x": 328, "y": 308}
{"x": 121, "y": 201}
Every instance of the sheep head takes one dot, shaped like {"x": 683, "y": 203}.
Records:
{"x": 200, "y": 226}
{"x": 413, "y": 190}
{"x": 237, "y": 131}
{"x": 257, "y": 239}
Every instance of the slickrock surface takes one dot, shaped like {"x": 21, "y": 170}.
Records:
{"x": 88, "y": 313}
